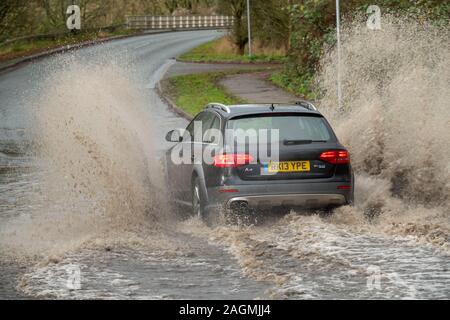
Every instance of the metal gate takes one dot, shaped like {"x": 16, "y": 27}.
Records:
{"x": 179, "y": 22}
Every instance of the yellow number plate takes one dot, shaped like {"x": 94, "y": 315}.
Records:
{"x": 289, "y": 166}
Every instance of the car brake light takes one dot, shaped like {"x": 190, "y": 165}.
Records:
{"x": 336, "y": 157}
{"x": 229, "y": 191}
{"x": 232, "y": 160}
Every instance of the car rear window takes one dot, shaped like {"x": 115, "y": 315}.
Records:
{"x": 291, "y": 127}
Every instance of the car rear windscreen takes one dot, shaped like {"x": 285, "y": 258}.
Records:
{"x": 290, "y": 128}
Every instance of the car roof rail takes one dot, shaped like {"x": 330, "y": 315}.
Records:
{"x": 219, "y": 106}
{"x": 306, "y": 104}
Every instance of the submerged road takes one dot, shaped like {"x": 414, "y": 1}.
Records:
{"x": 202, "y": 271}
{"x": 103, "y": 239}
{"x": 147, "y": 54}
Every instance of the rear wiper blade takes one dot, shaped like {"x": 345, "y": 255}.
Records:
{"x": 298, "y": 142}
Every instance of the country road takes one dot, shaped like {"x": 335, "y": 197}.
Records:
{"x": 81, "y": 192}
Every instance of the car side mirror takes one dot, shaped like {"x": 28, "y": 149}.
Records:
{"x": 174, "y": 136}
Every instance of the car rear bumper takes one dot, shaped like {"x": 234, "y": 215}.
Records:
{"x": 307, "y": 195}
{"x": 289, "y": 200}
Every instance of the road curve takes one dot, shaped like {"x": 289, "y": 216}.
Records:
{"x": 148, "y": 53}
{"x": 130, "y": 273}
{"x": 298, "y": 257}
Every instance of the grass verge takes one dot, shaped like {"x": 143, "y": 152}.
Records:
{"x": 300, "y": 86}
{"x": 22, "y": 48}
{"x": 192, "y": 93}
{"x": 221, "y": 50}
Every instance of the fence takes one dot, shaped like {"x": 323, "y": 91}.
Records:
{"x": 179, "y": 22}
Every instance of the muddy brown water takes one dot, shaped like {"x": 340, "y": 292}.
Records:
{"x": 84, "y": 213}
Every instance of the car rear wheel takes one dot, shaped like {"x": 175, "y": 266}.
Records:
{"x": 198, "y": 201}
{"x": 200, "y": 206}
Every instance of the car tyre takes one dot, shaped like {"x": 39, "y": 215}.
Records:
{"x": 198, "y": 202}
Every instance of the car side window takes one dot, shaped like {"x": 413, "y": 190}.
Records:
{"x": 189, "y": 134}
{"x": 206, "y": 125}
{"x": 209, "y": 136}
{"x": 206, "y": 119}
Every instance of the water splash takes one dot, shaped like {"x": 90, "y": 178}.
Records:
{"x": 396, "y": 125}
{"x": 98, "y": 173}
{"x": 396, "y": 121}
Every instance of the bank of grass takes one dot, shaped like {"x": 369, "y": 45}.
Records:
{"x": 301, "y": 86}
{"x": 22, "y": 48}
{"x": 192, "y": 93}
{"x": 221, "y": 50}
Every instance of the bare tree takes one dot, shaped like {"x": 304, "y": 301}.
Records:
{"x": 25, "y": 17}
{"x": 237, "y": 8}
{"x": 171, "y": 5}
{"x": 275, "y": 21}
{"x": 13, "y": 18}
{"x": 55, "y": 11}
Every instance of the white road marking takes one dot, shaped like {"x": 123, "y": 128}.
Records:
{"x": 159, "y": 73}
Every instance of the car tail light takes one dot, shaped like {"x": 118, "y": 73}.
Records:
{"x": 232, "y": 160}
{"x": 336, "y": 157}
{"x": 229, "y": 191}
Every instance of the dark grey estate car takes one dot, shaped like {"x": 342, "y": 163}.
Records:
{"x": 312, "y": 169}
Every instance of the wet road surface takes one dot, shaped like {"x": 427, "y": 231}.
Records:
{"x": 49, "y": 234}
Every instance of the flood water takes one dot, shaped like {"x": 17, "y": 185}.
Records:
{"x": 84, "y": 213}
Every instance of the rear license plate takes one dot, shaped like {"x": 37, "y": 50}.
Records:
{"x": 289, "y": 166}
